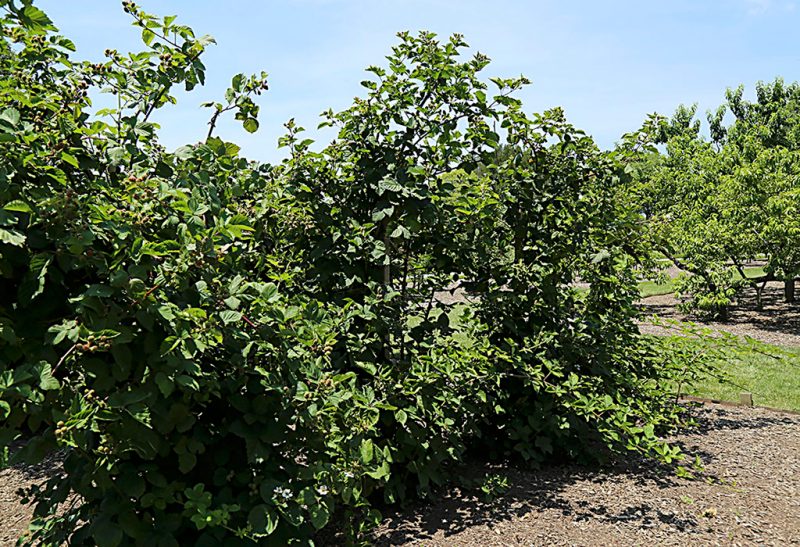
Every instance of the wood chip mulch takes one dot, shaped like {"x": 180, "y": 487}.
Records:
{"x": 14, "y": 517}
{"x": 776, "y": 323}
{"x": 749, "y": 495}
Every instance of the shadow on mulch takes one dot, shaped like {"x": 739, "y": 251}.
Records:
{"x": 533, "y": 491}
{"x": 775, "y": 315}
{"x": 728, "y": 420}
{"x": 40, "y": 471}
{"x": 458, "y": 511}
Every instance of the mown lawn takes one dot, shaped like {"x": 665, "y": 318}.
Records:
{"x": 653, "y": 288}
{"x": 773, "y": 381}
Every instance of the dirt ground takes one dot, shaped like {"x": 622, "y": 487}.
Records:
{"x": 750, "y": 496}
{"x": 777, "y": 323}
{"x": 14, "y": 517}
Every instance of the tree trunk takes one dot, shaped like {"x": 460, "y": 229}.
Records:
{"x": 759, "y": 296}
{"x": 788, "y": 290}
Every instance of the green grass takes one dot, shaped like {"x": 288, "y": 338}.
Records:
{"x": 754, "y": 271}
{"x": 652, "y": 288}
{"x": 773, "y": 382}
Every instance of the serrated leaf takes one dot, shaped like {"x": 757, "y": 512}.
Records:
{"x": 319, "y": 515}
{"x": 10, "y": 117}
{"x": 184, "y": 152}
{"x": 262, "y": 519}
{"x": 400, "y": 231}
{"x": 65, "y": 43}
{"x": 381, "y": 472}
{"x": 148, "y": 36}
{"x": 206, "y": 40}
{"x": 5, "y": 410}
{"x": 230, "y": 316}
{"x": 165, "y": 385}
{"x": 250, "y": 125}
{"x": 231, "y": 149}
{"x": 46, "y": 379}
{"x": 12, "y": 237}
{"x": 70, "y": 159}
{"x": 166, "y": 312}
{"x": 367, "y": 451}
{"x": 270, "y": 293}
{"x": 36, "y": 19}
{"x": 18, "y": 206}
{"x": 34, "y": 283}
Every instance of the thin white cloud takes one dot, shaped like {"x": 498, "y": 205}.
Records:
{"x": 757, "y": 7}
{"x": 760, "y": 7}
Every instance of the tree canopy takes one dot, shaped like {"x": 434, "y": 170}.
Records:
{"x": 714, "y": 204}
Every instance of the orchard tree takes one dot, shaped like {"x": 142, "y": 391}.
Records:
{"x": 676, "y": 191}
{"x": 715, "y": 204}
{"x": 763, "y": 142}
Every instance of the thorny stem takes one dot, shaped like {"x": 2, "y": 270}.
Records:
{"x": 212, "y": 123}
{"x": 64, "y": 357}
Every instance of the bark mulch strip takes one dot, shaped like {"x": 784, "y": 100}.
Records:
{"x": 751, "y": 496}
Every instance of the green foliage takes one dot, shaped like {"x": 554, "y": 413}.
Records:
{"x": 712, "y": 206}
{"x": 231, "y": 353}
{"x": 489, "y": 486}
{"x": 709, "y": 296}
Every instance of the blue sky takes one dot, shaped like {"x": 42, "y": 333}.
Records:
{"x": 607, "y": 63}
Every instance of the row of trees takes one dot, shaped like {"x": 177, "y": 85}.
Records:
{"x": 714, "y": 204}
